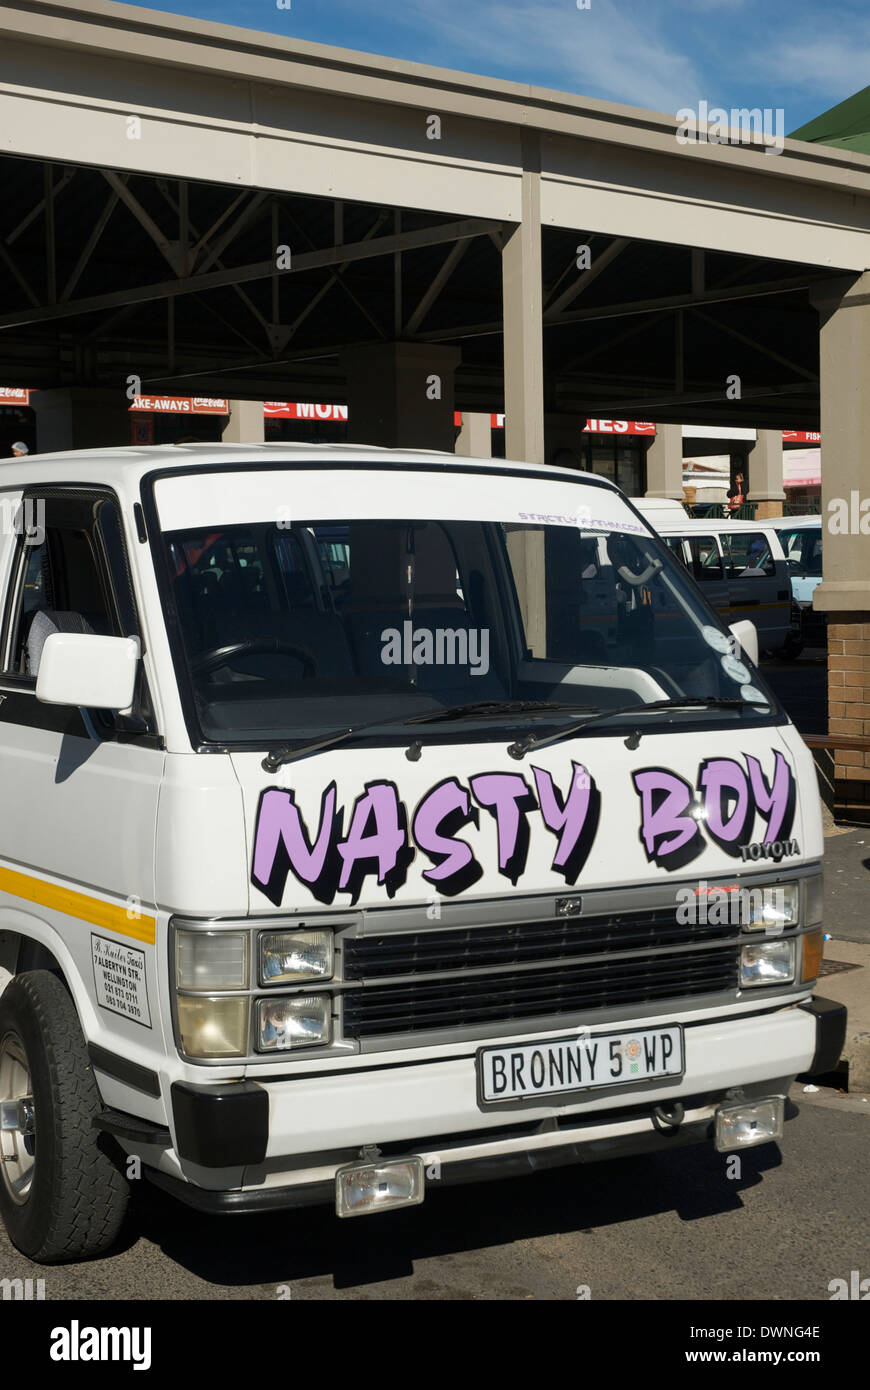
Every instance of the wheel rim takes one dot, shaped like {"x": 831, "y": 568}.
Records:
{"x": 17, "y": 1147}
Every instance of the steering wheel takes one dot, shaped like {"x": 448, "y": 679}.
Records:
{"x": 221, "y": 656}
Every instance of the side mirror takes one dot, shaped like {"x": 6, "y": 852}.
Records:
{"x": 747, "y": 635}
{"x": 81, "y": 668}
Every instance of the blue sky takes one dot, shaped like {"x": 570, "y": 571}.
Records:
{"x": 801, "y": 55}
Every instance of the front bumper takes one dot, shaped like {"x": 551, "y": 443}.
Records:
{"x": 641, "y": 1133}
{"x": 252, "y": 1146}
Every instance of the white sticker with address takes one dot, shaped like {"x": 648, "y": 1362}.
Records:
{"x": 119, "y": 975}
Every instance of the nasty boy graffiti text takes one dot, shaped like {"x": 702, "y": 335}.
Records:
{"x": 378, "y": 840}
{"x": 677, "y": 821}
{"x": 725, "y": 804}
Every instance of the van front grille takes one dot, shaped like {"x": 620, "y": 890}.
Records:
{"x": 467, "y": 1001}
{"x": 521, "y": 943}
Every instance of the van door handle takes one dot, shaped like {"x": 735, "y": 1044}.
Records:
{"x": 745, "y": 602}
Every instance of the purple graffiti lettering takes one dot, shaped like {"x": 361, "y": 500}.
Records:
{"x": 728, "y": 808}
{"x": 573, "y": 820}
{"x": 508, "y": 797}
{"x": 776, "y": 802}
{"x": 383, "y": 848}
{"x": 670, "y": 837}
{"x": 442, "y": 811}
{"x": 282, "y": 844}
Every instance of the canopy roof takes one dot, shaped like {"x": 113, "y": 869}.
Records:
{"x": 846, "y": 125}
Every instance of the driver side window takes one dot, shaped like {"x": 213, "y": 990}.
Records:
{"x": 60, "y": 589}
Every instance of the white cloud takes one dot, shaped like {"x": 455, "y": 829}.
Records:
{"x": 823, "y": 63}
{"x": 597, "y": 52}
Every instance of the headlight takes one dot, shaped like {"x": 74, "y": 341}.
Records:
{"x": 767, "y": 963}
{"x": 289, "y": 956}
{"x": 213, "y": 1027}
{"x": 773, "y": 908}
{"x": 299, "y": 1021}
{"x": 211, "y": 960}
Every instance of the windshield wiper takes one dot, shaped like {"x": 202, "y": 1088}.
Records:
{"x": 280, "y": 756}
{"x": 525, "y": 745}
{"x": 481, "y": 709}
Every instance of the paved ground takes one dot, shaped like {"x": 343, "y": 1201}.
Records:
{"x": 847, "y": 886}
{"x": 658, "y": 1227}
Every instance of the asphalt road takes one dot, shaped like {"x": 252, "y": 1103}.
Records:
{"x": 656, "y": 1227}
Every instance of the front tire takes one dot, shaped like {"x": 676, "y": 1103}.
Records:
{"x": 61, "y": 1196}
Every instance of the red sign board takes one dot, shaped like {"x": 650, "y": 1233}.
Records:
{"x": 180, "y": 405}
{"x": 591, "y": 426}
{"x": 619, "y": 427}
{"x": 14, "y": 395}
{"x": 303, "y": 410}
{"x": 801, "y": 437}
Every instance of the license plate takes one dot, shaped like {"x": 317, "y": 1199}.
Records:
{"x": 579, "y": 1063}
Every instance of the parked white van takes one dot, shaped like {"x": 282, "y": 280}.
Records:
{"x": 801, "y": 541}
{"x": 350, "y": 848}
{"x": 741, "y": 567}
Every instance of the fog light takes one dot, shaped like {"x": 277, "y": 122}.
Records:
{"x": 752, "y": 1122}
{"x": 213, "y": 1027}
{"x": 363, "y": 1188}
{"x": 298, "y": 1021}
{"x": 768, "y": 963}
{"x": 813, "y": 950}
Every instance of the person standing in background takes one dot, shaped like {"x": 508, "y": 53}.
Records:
{"x": 737, "y": 494}
{"x": 19, "y": 449}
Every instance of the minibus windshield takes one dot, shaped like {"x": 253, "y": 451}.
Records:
{"x": 290, "y": 632}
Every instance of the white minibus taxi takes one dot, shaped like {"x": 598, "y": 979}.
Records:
{"x": 741, "y": 567}
{"x": 801, "y": 541}
{"x": 353, "y": 846}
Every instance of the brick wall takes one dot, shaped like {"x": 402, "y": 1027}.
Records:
{"x": 849, "y": 708}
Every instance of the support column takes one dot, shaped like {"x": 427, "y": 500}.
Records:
{"x": 844, "y": 593}
{"x": 764, "y": 474}
{"x": 80, "y": 417}
{"x": 563, "y": 439}
{"x": 664, "y": 463}
{"x": 246, "y": 424}
{"x": 522, "y": 294}
{"x": 475, "y": 437}
{"x": 400, "y": 395}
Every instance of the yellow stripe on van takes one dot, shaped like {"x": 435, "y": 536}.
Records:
{"x": 123, "y": 921}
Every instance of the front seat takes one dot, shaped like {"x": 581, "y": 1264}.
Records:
{"x": 46, "y": 621}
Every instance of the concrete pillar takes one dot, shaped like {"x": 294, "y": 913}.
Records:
{"x": 80, "y": 417}
{"x": 763, "y": 474}
{"x": 527, "y": 554}
{"x": 400, "y": 395}
{"x": 664, "y": 463}
{"x": 475, "y": 437}
{"x": 246, "y": 424}
{"x": 563, "y": 439}
{"x": 844, "y": 372}
{"x": 844, "y": 593}
{"x": 522, "y": 294}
